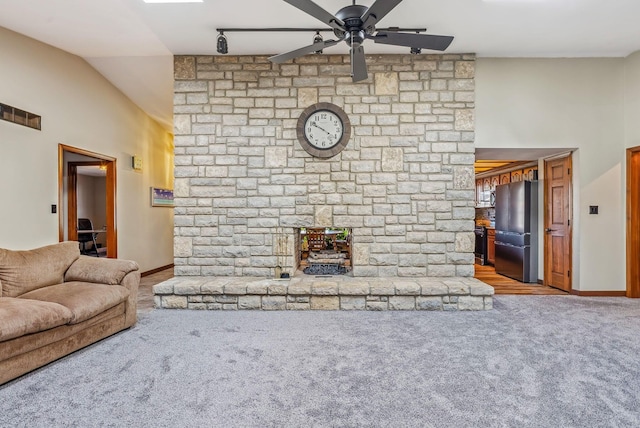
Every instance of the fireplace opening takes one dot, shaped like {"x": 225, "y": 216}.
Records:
{"x": 325, "y": 251}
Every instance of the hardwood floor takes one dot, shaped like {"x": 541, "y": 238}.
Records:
{"x": 504, "y": 285}
{"x": 145, "y": 290}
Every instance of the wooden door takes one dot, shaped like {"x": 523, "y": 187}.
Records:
{"x": 71, "y": 195}
{"x": 491, "y": 246}
{"x": 633, "y": 222}
{"x": 557, "y": 223}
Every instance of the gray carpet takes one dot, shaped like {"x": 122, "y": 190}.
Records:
{"x": 534, "y": 361}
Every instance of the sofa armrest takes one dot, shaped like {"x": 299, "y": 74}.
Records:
{"x": 131, "y": 281}
{"x": 112, "y": 272}
{"x": 99, "y": 271}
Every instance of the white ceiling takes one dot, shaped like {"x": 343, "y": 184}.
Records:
{"x": 132, "y": 43}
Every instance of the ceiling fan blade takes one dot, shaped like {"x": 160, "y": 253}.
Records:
{"x": 358, "y": 64}
{"x": 424, "y": 41}
{"x": 317, "y": 12}
{"x": 377, "y": 11}
{"x": 284, "y": 57}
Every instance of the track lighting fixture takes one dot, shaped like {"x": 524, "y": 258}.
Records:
{"x": 221, "y": 43}
{"x": 415, "y": 51}
{"x": 318, "y": 39}
{"x": 391, "y": 36}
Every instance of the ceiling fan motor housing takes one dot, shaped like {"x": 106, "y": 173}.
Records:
{"x": 352, "y": 18}
{"x": 354, "y": 24}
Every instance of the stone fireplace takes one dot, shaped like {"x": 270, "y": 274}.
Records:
{"x": 404, "y": 184}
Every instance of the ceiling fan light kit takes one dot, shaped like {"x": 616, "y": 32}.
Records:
{"x": 353, "y": 25}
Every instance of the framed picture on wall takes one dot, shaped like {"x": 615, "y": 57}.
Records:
{"x": 161, "y": 197}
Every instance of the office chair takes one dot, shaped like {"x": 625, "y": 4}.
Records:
{"x": 83, "y": 238}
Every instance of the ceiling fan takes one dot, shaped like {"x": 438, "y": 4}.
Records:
{"x": 354, "y": 24}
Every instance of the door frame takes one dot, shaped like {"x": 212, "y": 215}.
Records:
{"x": 72, "y": 214}
{"x": 547, "y": 258}
{"x": 633, "y": 222}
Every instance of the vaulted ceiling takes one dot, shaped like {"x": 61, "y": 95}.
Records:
{"x": 132, "y": 43}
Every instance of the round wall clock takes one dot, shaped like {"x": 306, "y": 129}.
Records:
{"x": 323, "y": 130}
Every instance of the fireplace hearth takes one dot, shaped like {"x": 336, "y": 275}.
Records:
{"x": 325, "y": 269}
{"x": 326, "y": 262}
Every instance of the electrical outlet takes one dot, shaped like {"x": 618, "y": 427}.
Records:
{"x": 593, "y": 209}
{"x": 54, "y": 209}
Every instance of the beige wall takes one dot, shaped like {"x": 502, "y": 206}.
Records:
{"x": 82, "y": 109}
{"x": 632, "y": 100}
{"x": 568, "y": 103}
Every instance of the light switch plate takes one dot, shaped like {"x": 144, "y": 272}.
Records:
{"x": 136, "y": 163}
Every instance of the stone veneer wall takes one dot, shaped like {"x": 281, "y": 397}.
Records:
{"x": 404, "y": 184}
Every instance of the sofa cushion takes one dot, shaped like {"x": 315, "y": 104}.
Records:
{"x": 84, "y": 300}
{"x": 19, "y": 317}
{"x": 101, "y": 271}
{"x": 24, "y": 271}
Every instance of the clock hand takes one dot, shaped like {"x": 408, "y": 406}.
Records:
{"x": 320, "y": 128}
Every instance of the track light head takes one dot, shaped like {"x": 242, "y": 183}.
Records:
{"x": 221, "y": 43}
{"x": 416, "y": 51}
{"x": 317, "y": 39}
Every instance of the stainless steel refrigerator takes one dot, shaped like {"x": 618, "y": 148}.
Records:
{"x": 517, "y": 230}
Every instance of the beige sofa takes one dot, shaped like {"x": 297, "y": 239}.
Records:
{"x": 55, "y": 301}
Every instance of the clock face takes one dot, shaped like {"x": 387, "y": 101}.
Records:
{"x": 323, "y": 130}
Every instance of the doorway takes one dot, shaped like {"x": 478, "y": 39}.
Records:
{"x": 71, "y": 160}
{"x": 633, "y": 222}
{"x": 558, "y": 223}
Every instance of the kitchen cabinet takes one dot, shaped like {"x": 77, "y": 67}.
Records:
{"x": 491, "y": 245}
{"x": 530, "y": 174}
{"x": 495, "y": 181}
{"x": 486, "y": 191}
{"x": 486, "y": 185}
{"x": 483, "y": 192}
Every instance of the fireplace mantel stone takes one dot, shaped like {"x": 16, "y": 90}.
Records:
{"x": 324, "y": 293}
{"x": 404, "y": 184}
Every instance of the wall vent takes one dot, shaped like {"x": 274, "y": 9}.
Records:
{"x": 21, "y": 117}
